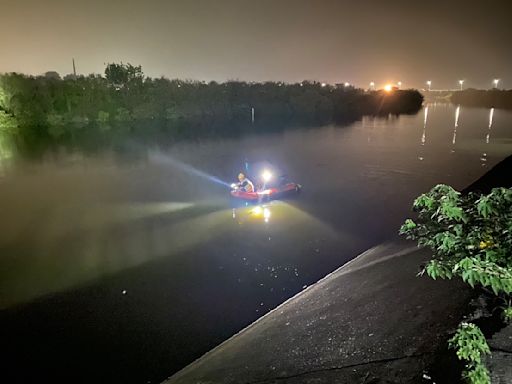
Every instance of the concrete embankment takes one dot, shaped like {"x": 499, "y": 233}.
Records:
{"x": 371, "y": 321}
{"x": 372, "y": 318}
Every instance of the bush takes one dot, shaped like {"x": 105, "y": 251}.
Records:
{"x": 471, "y": 238}
{"x": 470, "y": 344}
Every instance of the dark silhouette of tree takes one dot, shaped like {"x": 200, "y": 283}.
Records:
{"x": 52, "y": 75}
{"x": 120, "y": 75}
{"x": 496, "y": 98}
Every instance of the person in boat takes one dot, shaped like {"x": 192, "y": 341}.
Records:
{"x": 244, "y": 183}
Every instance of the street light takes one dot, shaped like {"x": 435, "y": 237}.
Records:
{"x": 429, "y": 83}
{"x": 372, "y": 85}
{"x": 347, "y": 84}
{"x": 399, "y": 84}
{"x": 495, "y": 82}
{"x": 460, "y": 83}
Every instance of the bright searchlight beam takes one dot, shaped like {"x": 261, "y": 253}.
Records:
{"x": 266, "y": 175}
{"x": 160, "y": 158}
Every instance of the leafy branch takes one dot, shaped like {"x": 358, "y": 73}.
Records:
{"x": 471, "y": 238}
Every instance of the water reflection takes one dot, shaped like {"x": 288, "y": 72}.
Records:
{"x": 370, "y": 128}
{"x": 491, "y": 120}
{"x": 5, "y": 152}
{"x": 283, "y": 214}
{"x": 103, "y": 239}
{"x": 483, "y": 158}
{"x": 423, "y": 140}
{"x": 107, "y": 238}
{"x": 159, "y": 241}
{"x": 425, "y": 118}
{"x": 455, "y": 126}
{"x": 261, "y": 212}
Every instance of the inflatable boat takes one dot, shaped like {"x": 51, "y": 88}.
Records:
{"x": 268, "y": 191}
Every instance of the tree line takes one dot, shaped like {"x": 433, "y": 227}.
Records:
{"x": 125, "y": 101}
{"x": 494, "y": 98}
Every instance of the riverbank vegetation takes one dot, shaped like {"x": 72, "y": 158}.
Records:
{"x": 470, "y": 237}
{"x": 124, "y": 103}
{"x": 494, "y": 98}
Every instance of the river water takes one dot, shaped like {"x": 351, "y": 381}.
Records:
{"x": 123, "y": 269}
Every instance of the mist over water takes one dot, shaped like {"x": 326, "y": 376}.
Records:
{"x": 136, "y": 265}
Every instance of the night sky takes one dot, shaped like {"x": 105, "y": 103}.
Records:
{"x": 290, "y": 40}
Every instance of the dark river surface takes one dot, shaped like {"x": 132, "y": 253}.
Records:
{"x": 123, "y": 270}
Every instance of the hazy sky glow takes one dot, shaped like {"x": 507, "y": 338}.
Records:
{"x": 290, "y": 40}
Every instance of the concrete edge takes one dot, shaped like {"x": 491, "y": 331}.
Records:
{"x": 402, "y": 252}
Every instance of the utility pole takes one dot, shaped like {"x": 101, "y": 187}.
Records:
{"x": 74, "y": 68}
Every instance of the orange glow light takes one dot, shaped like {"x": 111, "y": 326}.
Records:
{"x": 388, "y": 87}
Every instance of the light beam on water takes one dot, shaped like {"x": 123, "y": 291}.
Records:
{"x": 160, "y": 158}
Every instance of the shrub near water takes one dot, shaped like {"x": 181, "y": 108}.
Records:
{"x": 471, "y": 238}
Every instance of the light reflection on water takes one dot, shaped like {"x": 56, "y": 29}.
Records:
{"x": 148, "y": 239}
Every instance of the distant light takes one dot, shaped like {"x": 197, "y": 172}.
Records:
{"x": 399, "y": 84}
{"x": 266, "y": 214}
{"x": 460, "y": 83}
{"x": 323, "y": 84}
{"x": 388, "y": 87}
{"x": 347, "y": 84}
{"x": 496, "y": 81}
{"x": 372, "y": 84}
